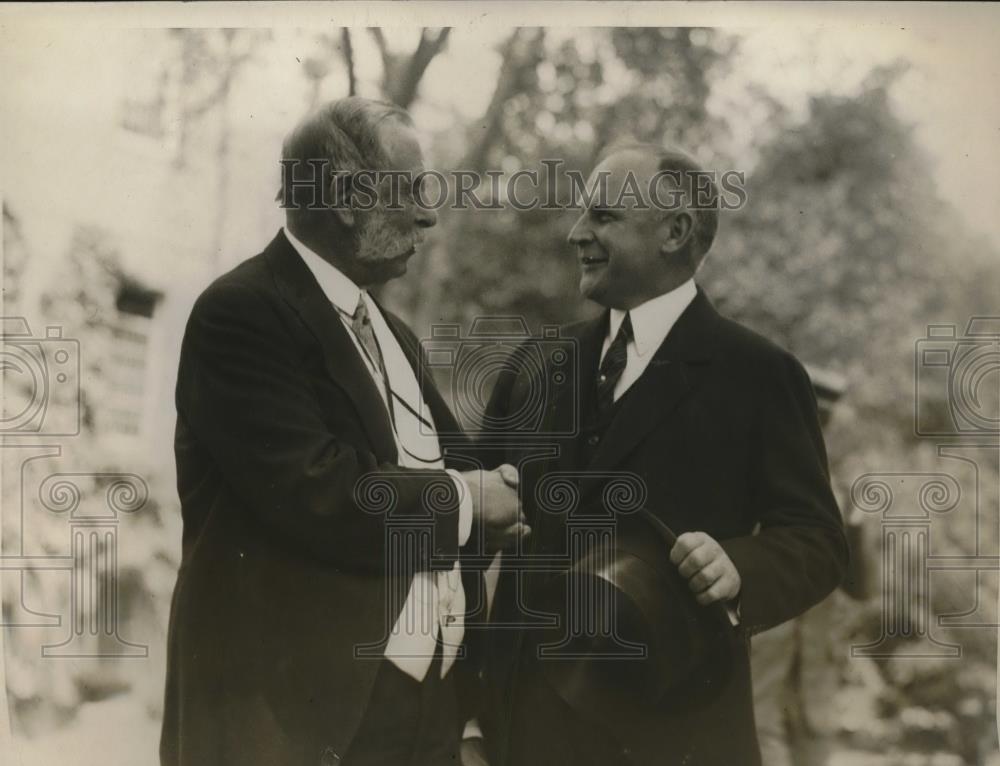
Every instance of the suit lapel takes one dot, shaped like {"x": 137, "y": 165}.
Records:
{"x": 676, "y": 368}
{"x": 300, "y": 290}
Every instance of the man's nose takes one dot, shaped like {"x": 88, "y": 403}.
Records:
{"x": 425, "y": 218}
{"x": 580, "y": 234}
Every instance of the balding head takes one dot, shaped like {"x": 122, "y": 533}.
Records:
{"x": 679, "y": 170}
{"x": 369, "y": 243}
{"x": 342, "y": 138}
{"x": 642, "y": 235}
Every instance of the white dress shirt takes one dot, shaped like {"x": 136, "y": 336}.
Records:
{"x": 651, "y": 323}
{"x": 435, "y": 603}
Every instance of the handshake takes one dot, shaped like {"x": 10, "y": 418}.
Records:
{"x": 496, "y": 507}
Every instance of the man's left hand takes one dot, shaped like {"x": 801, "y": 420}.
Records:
{"x": 710, "y": 573}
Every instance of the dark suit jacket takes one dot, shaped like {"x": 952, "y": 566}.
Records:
{"x": 722, "y": 427}
{"x": 283, "y": 572}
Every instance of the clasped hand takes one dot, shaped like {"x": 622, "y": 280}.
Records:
{"x": 496, "y": 507}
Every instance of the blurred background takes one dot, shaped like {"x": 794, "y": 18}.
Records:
{"x": 138, "y": 165}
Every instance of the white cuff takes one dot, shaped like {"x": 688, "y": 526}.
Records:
{"x": 733, "y": 610}
{"x": 464, "y": 507}
{"x": 472, "y": 730}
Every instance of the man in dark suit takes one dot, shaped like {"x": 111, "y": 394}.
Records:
{"x": 721, "y": 427}
{"x": 308, "y": 626}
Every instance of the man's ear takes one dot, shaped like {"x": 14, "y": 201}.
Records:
{"x": 340, "y": 192}
{"x": 676, "y": 231}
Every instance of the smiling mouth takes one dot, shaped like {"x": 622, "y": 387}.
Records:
{"x": 592, "y": 260}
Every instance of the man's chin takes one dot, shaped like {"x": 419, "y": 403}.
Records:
{"x": 399, "y": 268}
{"x": 381, "y": 270}
{"x": 398, "y": 264}
{"x": 590, "y": 288}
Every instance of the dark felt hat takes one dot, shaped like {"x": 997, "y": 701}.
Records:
{"x": 631, "y": 639}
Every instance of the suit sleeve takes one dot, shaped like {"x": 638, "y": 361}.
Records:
{"x": 800, "y": 554}
{"x": 243, "y": 392}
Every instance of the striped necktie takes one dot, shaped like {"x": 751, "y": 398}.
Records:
{"x": 612, "y": 367}
{"x": 361, "y": 324}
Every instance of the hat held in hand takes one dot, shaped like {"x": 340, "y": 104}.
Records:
{"x": 631, "y": 637}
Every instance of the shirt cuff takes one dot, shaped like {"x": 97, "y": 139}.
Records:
{"x": 733, "y": 610}
{"x": 464, "y": 507}
{"x": 472, "y": 729}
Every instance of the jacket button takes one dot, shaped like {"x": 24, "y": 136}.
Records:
{"x": 593, "y": 439}
{"x": 329, "y": 758}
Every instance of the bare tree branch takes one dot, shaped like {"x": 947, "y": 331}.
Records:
{"x": 223, "y": 69}
{"x": 410, "y": 74}
{"x": 521, "y": 56}
{"x": 348, "y": 50}
{"x": 401, "y": 75}
{"x": 383, "y": 49}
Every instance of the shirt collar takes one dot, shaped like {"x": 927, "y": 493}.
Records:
{"x": 653, "y": 320}
{"x": 337, "y": 287}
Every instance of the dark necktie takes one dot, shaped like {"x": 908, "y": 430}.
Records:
{"x": 612, "y": 367}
